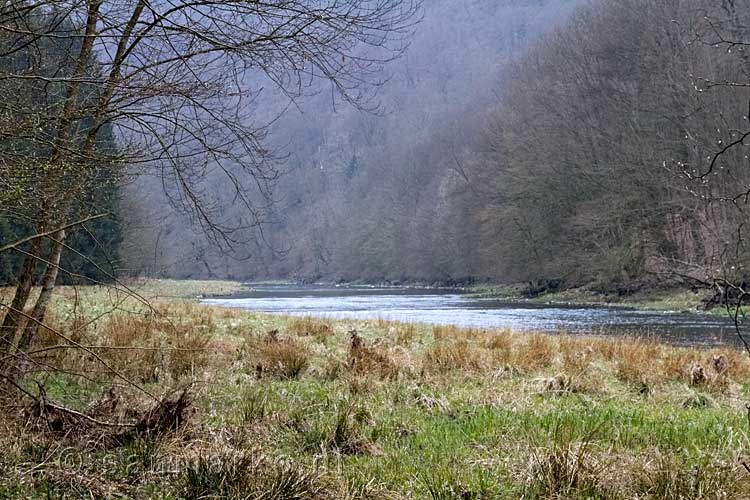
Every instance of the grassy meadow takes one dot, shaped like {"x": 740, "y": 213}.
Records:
{"x": 273, "y": 407}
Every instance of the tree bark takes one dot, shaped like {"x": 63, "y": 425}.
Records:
{"x": 48, "y": 286}
{"x": 13, "y": 318}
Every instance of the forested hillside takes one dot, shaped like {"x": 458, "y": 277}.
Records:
{"x": 520, "y": 140}
{"x": 28, "y": 184}
{"x": 588, "y": 158}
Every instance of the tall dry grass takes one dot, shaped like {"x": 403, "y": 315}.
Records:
{"x": 310, "y": 327}
{"x": 276, "y": 356}
{"x": 150, "y": 348}
{"x": 377, "y": 358}
{"x": 534, "y": 352}
{"x": 145, "y": 348}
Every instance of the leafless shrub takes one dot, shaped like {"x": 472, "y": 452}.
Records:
{"x": 104, "y": 422}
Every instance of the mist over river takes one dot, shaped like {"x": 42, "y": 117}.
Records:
{"x": 449, "y": 307}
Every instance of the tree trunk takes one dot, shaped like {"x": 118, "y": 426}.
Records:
{"x": 13, "y": 318}
{"x": 48, "y": 286}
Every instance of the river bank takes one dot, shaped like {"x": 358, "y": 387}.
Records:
{"x": 291, "y": 407}
{"x": 671, "y": 299}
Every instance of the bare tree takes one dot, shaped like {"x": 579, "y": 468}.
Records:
{"x": 177, "y": 83}
{"x": 717, "y": 170}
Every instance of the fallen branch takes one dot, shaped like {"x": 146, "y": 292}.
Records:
{"x": 165, "y": 416}
{"x": 58, "y": 418}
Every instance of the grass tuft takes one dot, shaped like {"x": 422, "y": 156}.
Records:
{"x": 247, "y": 475}
{"x": 344, "y": 433}
{"x": 375, "y": 359}
{"x": 448, "y": 355}
{"x": 282, "y": 358}
{"x": 565, "y": 467}
{"x": 310, "y": 327}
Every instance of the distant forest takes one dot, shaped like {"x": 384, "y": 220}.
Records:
{"x": 552, "y": 141}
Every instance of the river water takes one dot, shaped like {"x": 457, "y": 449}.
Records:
{"x": 449, "y": 307}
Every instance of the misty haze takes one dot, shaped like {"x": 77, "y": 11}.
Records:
{"x": 365, "y": 249}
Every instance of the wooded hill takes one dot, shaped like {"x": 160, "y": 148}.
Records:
{"x": 532, "y": 140}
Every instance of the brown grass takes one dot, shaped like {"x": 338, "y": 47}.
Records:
{"x": 149, "y": 348}
{"x": 635, "y": 363}
{"x": 575, "y": 358}
{"x": 499, "y": 341}
{"x": 279, "y": 357}
{"x": 675, "y": 366}
{"x": 452, "y": 332}
{"x": 471, "y": 349}
{"x": 534, "y": 352}
{"x": 144, "y": 348}
{"x": 448, "y": 355}
{"x": 380, "y": 360}
{"x": 403, "y": 334}
{"x": 310, "y": 327}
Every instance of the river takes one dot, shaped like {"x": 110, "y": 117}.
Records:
{"x": 438, "y": 306}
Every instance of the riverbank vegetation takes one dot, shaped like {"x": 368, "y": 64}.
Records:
{"x": 680, "y": 299}
{"x": 178, "y": 400}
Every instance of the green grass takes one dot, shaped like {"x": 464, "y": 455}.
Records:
{"x": 397, "y": 420}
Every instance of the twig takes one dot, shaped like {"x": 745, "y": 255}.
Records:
{"x": 84, "y": 348}
{"x": 44, "y": 234}
{"x": 48, "y": 404}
